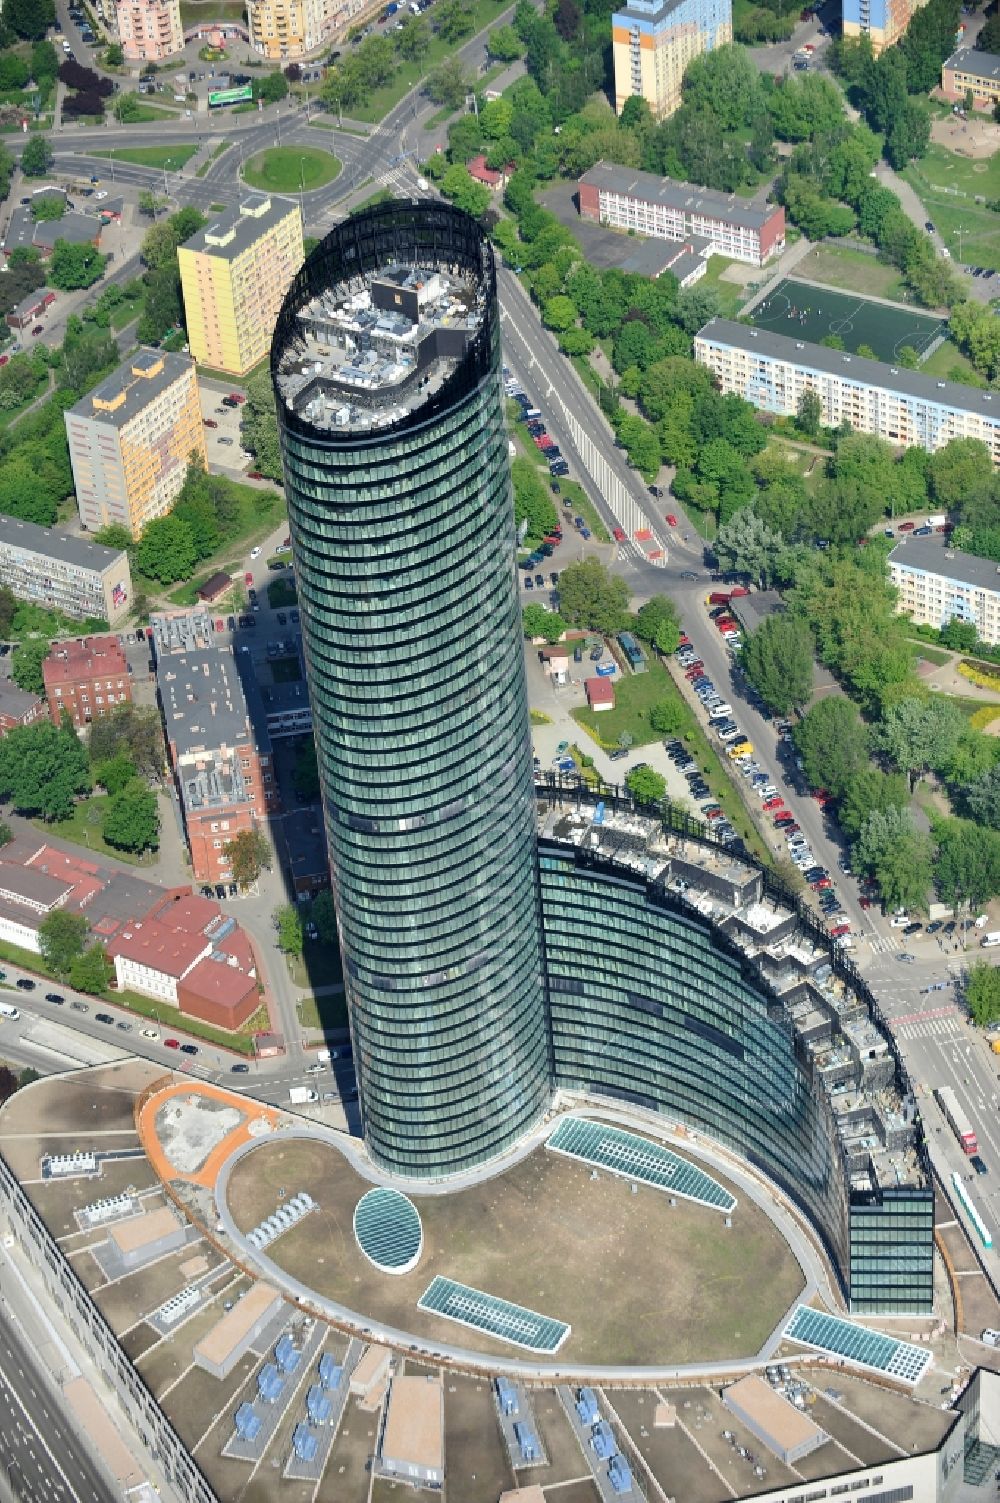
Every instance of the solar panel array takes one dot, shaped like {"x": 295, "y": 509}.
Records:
{"x": 493, "y": 1316}
{"x": 633, "y": 1157}
{"x": 857, "y": 1344}
{"x": 388, "y": 1230}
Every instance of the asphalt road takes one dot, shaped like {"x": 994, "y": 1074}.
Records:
{"x": 941, "y": 1048}
{"x": 41, "y": 1458}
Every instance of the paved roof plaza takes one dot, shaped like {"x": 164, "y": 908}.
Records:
{"x": 804, "y": 311}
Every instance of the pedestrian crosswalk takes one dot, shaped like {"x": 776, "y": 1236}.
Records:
{"x": 884, "y": 944}
{"x": 931, "y": 1028}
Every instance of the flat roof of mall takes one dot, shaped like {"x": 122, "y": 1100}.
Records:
{"x": 856, "y": 368}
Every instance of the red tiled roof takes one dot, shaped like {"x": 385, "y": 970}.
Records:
{"x": 190, "y": 913}
{"x": 157, "y": 946}
{"x": 82, "y": 659}
{"x": 218, "y": 982}
{"x": 478, "y": 169}
{"x": 600, "y": 691}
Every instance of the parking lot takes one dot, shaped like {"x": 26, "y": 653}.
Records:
{"x": 222, "y": 430}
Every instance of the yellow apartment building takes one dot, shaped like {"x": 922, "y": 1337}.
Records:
{"x": 653, "y": 41}
{"x": 130, "y": 440}
{"x": 234, "y": 274}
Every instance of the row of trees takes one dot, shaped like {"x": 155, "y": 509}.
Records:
{"x": 35, "y": 471}
{"x": 163, "y": 305}
{"x": 376, "y": 60}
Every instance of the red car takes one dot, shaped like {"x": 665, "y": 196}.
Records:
{"x": 172, "y": 1043}
{"x": 254, "y": 475}
{"x": 237, "y": 397}
{"x": 839, "y": 930}
{"x": 866, "y": 902}
{"x": 713, "y": 812}
{"x": 220, "y": 625}
{"x": 209, "y": 422}
{"x": 4, "y": 359}
{"x": 685, "y": 640}
{"x": 619, "y": 535}
{"x": 790, "y": 829}
{"x": 248, "y": 578}
{"x": 671, "y": 519}
{"x": 695, "y": 671}
{"x": 726, "y": 623}
{"x": 907, "y": 526}
{"x": 822, "y": 884}
{"x": 773, "y": 803}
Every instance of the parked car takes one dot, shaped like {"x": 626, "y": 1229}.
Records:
{"x": 210, "y": 422}
{"x": 24, "y": 984}
{"x": 189, "y": 1048}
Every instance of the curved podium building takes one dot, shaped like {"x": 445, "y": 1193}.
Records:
{"x": 489, "y": 962}
{"x": 386, "y": 362}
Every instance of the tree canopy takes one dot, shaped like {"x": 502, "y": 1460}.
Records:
{"x": 592, "y": 597}
{"x": 42, "y": 769}
{"x": 777, "y": 659}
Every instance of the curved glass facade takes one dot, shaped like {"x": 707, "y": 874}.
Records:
{"x": 665, "y": 1014}
{"x": 404, "y": 551}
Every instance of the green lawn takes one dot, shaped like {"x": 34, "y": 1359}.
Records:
{"x": 851, "y": 270}
{"x": 731, "y": 295}
{"x": 635, "y": 694}
{"x": 947, "y": 184}
{"x": 945, "y": 359}
{"x": 933, "y": 655}
{"x": 381, "y": 101}
{"x": 84, "y": 828}
{"x": 291, "y": 169}
{"x": 319, "y": 964}
{"x": 328, "y": 1012}
{"x": 170, "y": 158}
{"x": 193, "y": 13}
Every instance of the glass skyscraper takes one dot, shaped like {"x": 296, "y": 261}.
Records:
{"x": 486, "y": 968}
{"x": 386, "y": 366}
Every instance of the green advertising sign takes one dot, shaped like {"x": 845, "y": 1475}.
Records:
{"x": 230, "y": 96}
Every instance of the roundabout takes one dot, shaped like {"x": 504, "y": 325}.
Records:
{"x": 291, "y": 169}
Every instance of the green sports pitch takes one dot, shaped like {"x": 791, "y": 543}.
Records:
{"x": 803, "y": 310}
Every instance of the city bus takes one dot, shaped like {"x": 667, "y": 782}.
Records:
{"x": 956, "y": 1118}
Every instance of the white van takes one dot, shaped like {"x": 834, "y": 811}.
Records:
{"x": 720, "y": 711}
{"x": 7, "y": 1011}
{"x": 990, "y": 1338}
{"x": 989, "y": 940}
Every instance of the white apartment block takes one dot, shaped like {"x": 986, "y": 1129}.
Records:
{"x": 664, "y": 209}
{"x": 772, "y": 371}
{"x": 938, "y": 584}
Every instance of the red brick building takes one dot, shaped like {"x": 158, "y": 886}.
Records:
{"x": 216, "y": 730}
{"x": 88, "y": 677}
{"x": 192, "y": 957}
